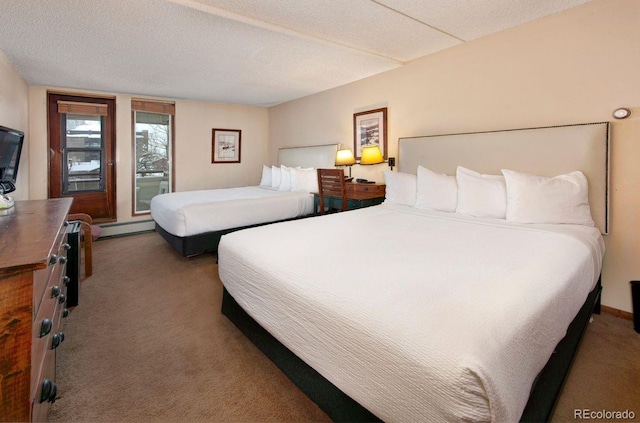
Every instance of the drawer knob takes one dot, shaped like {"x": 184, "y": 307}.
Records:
{"x": 49, "y": 391}
{"x": 66, "y": 246}
{"x": 62, "y": 260}
{"x": 56, "y": 340}
{"x": 45, "y": 327}
{"x": 55, "y": 291}
{"x": 66, "y": 280}
{"x": 62, "y": 299}
{"x": 53, "y": 259}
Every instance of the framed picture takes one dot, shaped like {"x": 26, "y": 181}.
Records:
{"x": 370, "y": 128}
{"x": 225, "y": 145}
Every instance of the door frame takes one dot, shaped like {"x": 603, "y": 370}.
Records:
{"x": 54, "y": 158}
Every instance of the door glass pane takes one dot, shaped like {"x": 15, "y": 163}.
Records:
{"x": 83, "y": 146}
{"x": 152, "y": 156}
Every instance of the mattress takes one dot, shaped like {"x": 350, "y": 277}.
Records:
{"x": 416, "y": 315}
{"x": 196, "y": 212}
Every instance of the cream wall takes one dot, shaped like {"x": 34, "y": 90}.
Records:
{"x": 193, "y": 168}
{"x": 573, "y": 67}
{"x": 14, "y": 114}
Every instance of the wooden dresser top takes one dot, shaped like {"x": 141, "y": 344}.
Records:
{"x": 27, "y": 231}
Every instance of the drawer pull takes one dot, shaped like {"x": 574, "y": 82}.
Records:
{"x": 62, "y": 260}
{"x": 66, "y": 280}
{"x": 53, "y": 259}
{"x": 55, "y": 291}
{"x": 65, "y": 312}
{"x": 49, "y": 391}
{"x": 56, "y": 340}
{"x": 66, "y": 246}
{"x": 45, "y": 327}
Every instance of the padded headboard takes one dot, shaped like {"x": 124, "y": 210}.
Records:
{"x": 546, "y": 151}
{"x": 316, "y": 156}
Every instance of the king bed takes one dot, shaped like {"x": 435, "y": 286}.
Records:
{"x": 420, "y": 310}
{"x": 192, "y": 222}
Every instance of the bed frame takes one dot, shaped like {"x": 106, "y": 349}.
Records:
{"x": 316, "y": 156}
{"x": 207, "y": 242}
{"x": 561, "y": 149}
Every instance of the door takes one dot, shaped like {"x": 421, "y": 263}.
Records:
{"x": 81, "y": 153}
{"x": 153, "y": 152}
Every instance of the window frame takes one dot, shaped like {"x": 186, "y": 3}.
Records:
{"x": 157, "y": 107}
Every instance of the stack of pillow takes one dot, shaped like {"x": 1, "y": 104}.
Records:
{"x": 513, "y": 196}
{"x": 285, "y": 178}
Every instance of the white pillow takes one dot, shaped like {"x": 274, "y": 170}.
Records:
{"x": 540, "y": 199}
{"x": 481, "y": 195}
{"x": 285, "y": 180}
{"x": 266, "y": 176}
{"x": 436, "y": 192}
{"x": 304, "y": 180}
{"x": 276, "y": 177}
{"x": 401, "y": 188}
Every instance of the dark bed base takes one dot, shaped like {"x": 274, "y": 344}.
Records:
{"x": 196, "y": 244}
{"x": 341, "y": 408}
{"x": 206, "y": 242}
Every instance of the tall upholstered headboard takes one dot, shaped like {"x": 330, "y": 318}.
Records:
{"x": 316, "y": 156}
{"x": 545, "y": 151}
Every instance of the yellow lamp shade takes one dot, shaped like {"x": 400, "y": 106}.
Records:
{"x": 371, "y": 155}
{"x": 345, "y": 158}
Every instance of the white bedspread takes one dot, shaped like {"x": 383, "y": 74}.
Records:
{"x": 195, "y": 212}
{"x": 417, "y": 315}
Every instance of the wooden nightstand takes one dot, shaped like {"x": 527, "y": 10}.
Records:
{"x": 358, "y": 196}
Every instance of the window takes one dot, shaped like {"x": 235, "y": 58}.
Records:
{"x": 83, "y": 152}
{"x": 153, "y": 151}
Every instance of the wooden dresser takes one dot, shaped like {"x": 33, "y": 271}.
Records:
{"x": 33, "y": 256}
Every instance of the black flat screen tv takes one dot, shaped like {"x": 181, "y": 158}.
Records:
{"x": 10, "y": 149}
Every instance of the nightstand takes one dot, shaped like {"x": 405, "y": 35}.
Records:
{"x": 358, "y": 195}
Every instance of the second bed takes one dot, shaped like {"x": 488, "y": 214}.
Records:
{"x": 192, "y": 222}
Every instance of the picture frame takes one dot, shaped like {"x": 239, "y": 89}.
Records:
{"x": 370, "y": 128}
{"x": 226, "y": 145}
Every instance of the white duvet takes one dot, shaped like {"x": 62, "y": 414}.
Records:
{"x": 417, "y": 315}
{"x": 194, "y": 212}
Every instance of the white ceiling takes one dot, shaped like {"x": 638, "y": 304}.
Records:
{"x": 255, "y": 52}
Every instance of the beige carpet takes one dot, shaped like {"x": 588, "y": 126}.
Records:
{"x": 148, "y": 344}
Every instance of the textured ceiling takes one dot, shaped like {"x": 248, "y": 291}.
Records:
{"x": 256, "y": 52}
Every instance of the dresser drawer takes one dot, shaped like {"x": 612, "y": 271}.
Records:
{"x": 46, "y": 389}
{"x": 368, "y": 188}
{"x": 54, "y": 271}
{"x": 45, "y": 326}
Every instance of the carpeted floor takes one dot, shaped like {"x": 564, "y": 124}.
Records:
{"x": 147, "y": 343}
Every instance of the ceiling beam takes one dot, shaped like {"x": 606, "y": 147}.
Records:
{"x": 225, "y": 14}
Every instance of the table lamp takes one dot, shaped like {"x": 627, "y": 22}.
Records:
{"x": 371, "y": 154}
{"x": 345, "y": 158}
